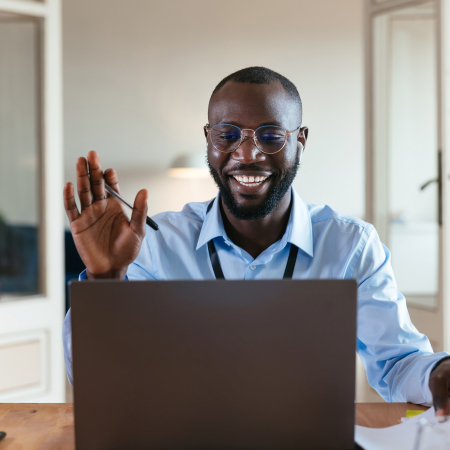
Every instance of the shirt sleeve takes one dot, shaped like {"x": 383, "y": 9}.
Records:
{"x": 397, "y": 358}
{"x": 67, "y": 344}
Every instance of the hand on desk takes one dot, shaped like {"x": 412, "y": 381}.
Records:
{"x": 105, "y": 239}
{"x": 440, "y": 387}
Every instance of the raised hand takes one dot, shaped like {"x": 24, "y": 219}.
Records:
{"x": 106, "y": 240}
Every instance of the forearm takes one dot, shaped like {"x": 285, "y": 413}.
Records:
{"x": 398, "y": 358}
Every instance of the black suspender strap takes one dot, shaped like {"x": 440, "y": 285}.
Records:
{"x": 290, "y": 266}
{"x": 217, "y": 268}
{"x": 213, "y": 256}
{"x": 208, "y": 209}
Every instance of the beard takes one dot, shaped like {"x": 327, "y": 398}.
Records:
{"x": 276, "y": 192}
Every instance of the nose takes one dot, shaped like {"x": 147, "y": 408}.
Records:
{"x": 247, "y": 152}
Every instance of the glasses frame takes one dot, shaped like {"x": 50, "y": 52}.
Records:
{"x": 244, "y": 138}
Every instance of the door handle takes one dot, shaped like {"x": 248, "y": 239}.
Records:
{"x": 437, "y": 180}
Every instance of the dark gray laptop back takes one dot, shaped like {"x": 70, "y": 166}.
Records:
{"x": 214, "y": 364}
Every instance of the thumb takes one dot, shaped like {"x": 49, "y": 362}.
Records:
{"x": 139, "y": 214}
{"x": 443, "y": 408}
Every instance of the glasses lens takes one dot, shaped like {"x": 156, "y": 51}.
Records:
{"x": 270, "y": 139}
{"x": 226, "y": 138}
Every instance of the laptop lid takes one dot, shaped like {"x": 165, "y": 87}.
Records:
{"x": 214, "y": 364}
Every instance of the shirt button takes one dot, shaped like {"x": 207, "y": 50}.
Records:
{"x": 253, "y": 267}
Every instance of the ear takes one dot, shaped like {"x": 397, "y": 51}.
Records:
{"x": 205, "y": 130}
{"x": 303, "y": 136}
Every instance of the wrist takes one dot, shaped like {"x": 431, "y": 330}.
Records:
{"x": 117, "y": 274}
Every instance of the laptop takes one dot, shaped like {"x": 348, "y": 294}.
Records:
{"x": 264, "y": 364}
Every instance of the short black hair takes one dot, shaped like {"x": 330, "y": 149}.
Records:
{"x": 261, "y": 75}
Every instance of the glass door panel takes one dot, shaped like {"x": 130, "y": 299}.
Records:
{"x": 405, "y": 137}
{"x": 20, "y": 144}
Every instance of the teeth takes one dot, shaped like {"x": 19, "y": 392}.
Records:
{"x": 249, "y": 181}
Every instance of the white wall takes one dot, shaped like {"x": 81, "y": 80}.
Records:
{"x": 138, "y": 75}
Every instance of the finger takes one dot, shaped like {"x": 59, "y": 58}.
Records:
{"x": 439, "y": 386}
{"x": 96, "y": 176}
{"x": 83, "y": 184}
{"x": 112, "y": 180}
{"x": 69, "y": 203}
{"x": 139, "y": 214}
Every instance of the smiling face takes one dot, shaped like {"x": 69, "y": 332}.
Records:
{"x": 252, "y": 183}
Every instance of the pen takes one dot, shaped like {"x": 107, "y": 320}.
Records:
{"x": 149, "y": 221}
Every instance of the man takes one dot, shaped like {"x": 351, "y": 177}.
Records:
{"x": 254, "y": 148}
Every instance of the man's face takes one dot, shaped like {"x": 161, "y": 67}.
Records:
{"x": 250, "y": 106}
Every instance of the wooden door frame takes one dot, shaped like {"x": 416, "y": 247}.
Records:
{"x": 31, "y": 316}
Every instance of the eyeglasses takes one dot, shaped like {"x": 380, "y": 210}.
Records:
{"x": 228, "y": 138}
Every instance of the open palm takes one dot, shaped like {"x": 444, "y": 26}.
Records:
{"x": 106, "y": 240}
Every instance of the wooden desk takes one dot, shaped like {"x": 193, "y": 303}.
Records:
{"x": 49, "y": 426}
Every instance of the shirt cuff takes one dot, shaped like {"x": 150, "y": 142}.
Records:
{"x": 84, "y": 277}
{"x": 445, "y": 358}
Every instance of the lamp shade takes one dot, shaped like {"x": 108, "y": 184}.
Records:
{"x": 189, "y": 165}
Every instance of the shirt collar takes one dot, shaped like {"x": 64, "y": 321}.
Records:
{"x": 212, "y": 225}
{"x": 298, "y": 230}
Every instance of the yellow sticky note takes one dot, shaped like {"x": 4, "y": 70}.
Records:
{"x": 410, "y": 413}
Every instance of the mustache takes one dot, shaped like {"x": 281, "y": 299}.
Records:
{"x": 250, "y": 167}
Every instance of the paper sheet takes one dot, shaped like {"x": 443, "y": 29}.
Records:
{"x": 397, "y": 437}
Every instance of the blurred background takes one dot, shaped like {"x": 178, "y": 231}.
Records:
{"x": 131, "y": 79}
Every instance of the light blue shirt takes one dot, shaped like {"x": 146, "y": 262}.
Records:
{"x": 397, "y": 358}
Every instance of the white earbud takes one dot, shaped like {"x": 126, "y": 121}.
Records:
{"x": 301, "y": 153}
